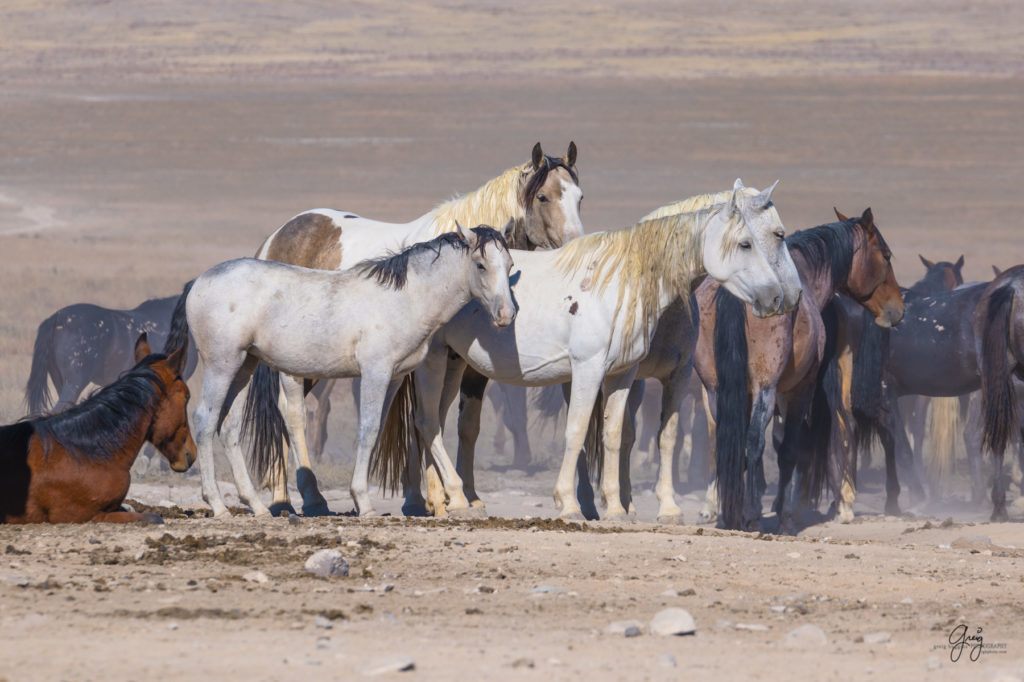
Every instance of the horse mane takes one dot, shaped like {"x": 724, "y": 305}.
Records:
{"x": 664, "y": 252}
{"x": 392, "y": 270}
{"x": 102, "y": 424}
{"x": 696, "y": 203}
{"x": 504, "y": 197}
{"x": 828, "y": 246}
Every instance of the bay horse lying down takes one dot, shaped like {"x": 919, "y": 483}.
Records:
{"x": 74, "y": 466}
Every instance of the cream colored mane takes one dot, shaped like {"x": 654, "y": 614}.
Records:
{"x": 654, "y": 255}
{"x": 696, "y": 203}
{"x": 492, "y": 204}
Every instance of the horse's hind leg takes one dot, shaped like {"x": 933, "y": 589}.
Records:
{"x": 709, "y": 513}
{"x": 313, "y": 503}
{"x": 668, "y": 435}
{"x": 760, "y": 416}
{"x": 231, "y": 438}
{"x": 471, "y": 393}
{"x": 322, "y": 392}
{"x": 516, "y": 419}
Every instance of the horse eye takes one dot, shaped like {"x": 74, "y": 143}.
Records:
{"x": 780, "y": 235}
{"x": 744, "y": 245}
{"x": 480, "y": 266}
{"x": 542, "y": 198}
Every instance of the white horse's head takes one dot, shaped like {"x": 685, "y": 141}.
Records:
{"x": 490, "y": 265}
{"x": 551, "y": 197}
{"x": 745, "y": 250}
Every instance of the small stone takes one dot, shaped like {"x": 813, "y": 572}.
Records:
{"x": 672, "y": 621}
{"x": 393, "y": 665}
{"x": 172, "y": 626}
{"x": 323, "y": 623}
{"x": 620, "y": 627}
{"x": 256, "y": 577}
{"x": 794, "y": 555}
{"x": 752, "y": 627}
{"x": 779, "y": 609}
{"x": 877, "y": 637}
{"x": 804, "y": 637}
{"x": 906, "y": 600}
{"x": 632, "y": 631}
{"x": 547, "y": 589}
{"x": 139, "y": 555}
{"x": 327, "y": 563}
{"x": 669, "y": 593}
{"x": 667, "y": 661}
{"x": 294, "y": 520}
{"x": 688, "y": 592}
{"x": 522, "y": 663}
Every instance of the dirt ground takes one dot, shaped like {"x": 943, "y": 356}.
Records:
{"x": 142, "y": 142}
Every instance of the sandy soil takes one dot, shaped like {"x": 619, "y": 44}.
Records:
{"x": 142, "y": 142}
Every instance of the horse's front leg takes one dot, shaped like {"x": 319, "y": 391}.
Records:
{"x": 615, "y": 481}
{"x": 586, "y": 383}
{"x": 668, "y": 435}
{"x": 313, "y": 503}
{"x": 760, "y": 415}
{"x": 322, "y": 393}
{"x": 231, "y": 438}
{"x": 471, "y": 395}
{"x": 373, "y": 394}
{"x": 709, "y": 513}
{"x": 516, "y": 418}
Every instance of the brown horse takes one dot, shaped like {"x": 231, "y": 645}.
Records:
{"x": 75, "y": 466}
{"x": 749, "y": 364}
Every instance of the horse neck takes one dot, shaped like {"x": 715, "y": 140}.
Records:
{"x": 440, "y": 285}
{"x": 492, "y": 204}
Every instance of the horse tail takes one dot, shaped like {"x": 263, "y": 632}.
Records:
{"x": 999, "y": 398}
{"x": 823, "y": 462}
{"x": 177, "y": 337}
{"x": 943, "y": 426}
{"x": 732, "y": 404}
{"x": 390, "y": 454}
{"x": 866, "y": 390}
{"x": 262, "y": 422}
{"x": 594, "y": 443}
{"x": 549, "y": 401}
{"x": 37, "y": 390}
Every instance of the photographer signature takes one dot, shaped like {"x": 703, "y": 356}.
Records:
{"x": 960, "y": 640}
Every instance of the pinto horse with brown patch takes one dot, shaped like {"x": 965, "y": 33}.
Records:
{"x": 74, "y": 466}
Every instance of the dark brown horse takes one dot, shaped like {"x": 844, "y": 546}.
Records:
{"x": 75, "y": 466}
{"x": 749, "y": 365}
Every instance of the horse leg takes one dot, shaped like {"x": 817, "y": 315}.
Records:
{"x": 586, "y": 384}
{"x": 972, "y": 445}
{"x": 999, "y": 485}
{"x": 313, "y": 503}
{"x": 68, "y": 393}
{"x": 375, "y": 385}
{"x": 471, "y": 393}
{"x": 709, "y": 513}
{"x": 584, "y": 487}
{"x": 905, "y": 454}
{"x": 231, "y": 439}
{"x": 322, "y": 392}
{"x": 892, "y": 481}
{"x": 668, "y": 435}
{"x": 785, "y": 506}
{"x": 218, "y": 380}
{"x": 436, "y": 381}
{"x": 842, "y": 440}
{"x": 516, "y": 418}
{"x": 616, "y": 391}
{"x": 634, "y": 400}
{"x": 760, "y": 416}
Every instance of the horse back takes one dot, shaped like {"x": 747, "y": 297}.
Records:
{"x": 15, "y": 475}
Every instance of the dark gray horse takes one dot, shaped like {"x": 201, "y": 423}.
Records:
{"x": 85, "y": 343}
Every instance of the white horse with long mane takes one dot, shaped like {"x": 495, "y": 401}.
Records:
{"x": 540, "y": 201}
{"x": 587, "y": 313}
{"x": 374, "y": 322}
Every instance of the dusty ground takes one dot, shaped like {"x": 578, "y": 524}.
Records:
{"x": 143, "y": 142}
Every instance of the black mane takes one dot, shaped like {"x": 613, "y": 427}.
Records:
{"x": 99, "y": 427}
{"x": 392, "y": 270}
{"x": 540, "y": 176}
{"x": 830, "y": 246}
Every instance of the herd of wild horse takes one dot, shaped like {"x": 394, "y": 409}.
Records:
{"x": 805, "y": 337}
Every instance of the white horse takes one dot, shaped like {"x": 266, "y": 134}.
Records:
{"x": 541, "y": 198}
{"x": 374, "y": 322}
{"x": 588, "y": 310}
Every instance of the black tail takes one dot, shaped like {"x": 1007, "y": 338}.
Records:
{"x": 594, "y": 443}
{"x": 816, "y": 462}
{"x": 177, "y": 337}
{"x": 390, "y": 453}
{"x": 732, "y": 404}
{"x": 37, "y": 390}
{"x": 999, "y": 397}
{"x": 262, "y": 422}
{"x": 869, "y": 360}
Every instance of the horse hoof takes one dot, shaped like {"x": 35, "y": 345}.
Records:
{"x": 282, "y": 509}
{"x": 671, "y": 519}
{"x": 260, "y": 512}
{"x": 707, "y": 517}
{"x": 893, "y": 510}
{"x": 574, "y": 515}
{"x": 151, "y": 518}
{"x": 317, "y": 510}
{"x": 221, "y": 513}
{"x": 617, "y": 517}
{"x": 468, "y": 513}
{"x": 477, "y": 503}
{"x": 417, "y": 509}
{"x": 1000, "y": 516}
{"x": 368, "y": 514}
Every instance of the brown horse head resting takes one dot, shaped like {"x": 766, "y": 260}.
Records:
{"x": 551, "y": 197}
{"x": 871, "y": 281}
{"x": 169, "y": 431}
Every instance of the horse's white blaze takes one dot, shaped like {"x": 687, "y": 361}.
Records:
{"x": 570, "y": 203}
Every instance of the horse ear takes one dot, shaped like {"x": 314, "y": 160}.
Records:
{"x": 996, "y": 270}
{"x": 465, "y": 235}
{"x": 538, "y": 156}
{"x": 142, "y": 348}
{"x": 839, "y": 215}
{"x": 176, "y": 360}
{"x": 765, "y": 197}
{"x": 570, "y": 157}
{"x": 959, "y": 263}
{"x": 737, "y": 185}
{"x": 867, "y": 219}
{"x": 506, "y": 231}
{"x": 928, "y": 265}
